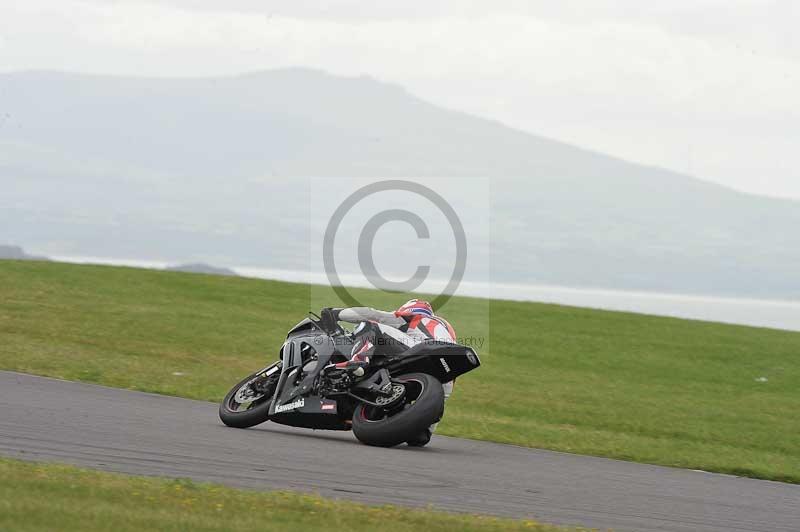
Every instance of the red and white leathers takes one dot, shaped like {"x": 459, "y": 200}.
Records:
{"x": 408, "y": 326}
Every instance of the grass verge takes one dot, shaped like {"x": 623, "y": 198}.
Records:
{"x": 38, "y": 497}
{"x": 648, "y": 389}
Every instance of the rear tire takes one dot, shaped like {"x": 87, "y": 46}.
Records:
{"x": 256, "y": 414}
{"x": 422, "y": 407}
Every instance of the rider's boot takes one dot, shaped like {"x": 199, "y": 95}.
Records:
{"x": 359, "y": 359}
{"x": 356, "y": 368}
{"x": 421, "y": 439}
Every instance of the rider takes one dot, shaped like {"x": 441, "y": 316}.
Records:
{"x": 414, "y": 322}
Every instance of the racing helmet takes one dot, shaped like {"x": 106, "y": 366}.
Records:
{"x": 414, "y": 307}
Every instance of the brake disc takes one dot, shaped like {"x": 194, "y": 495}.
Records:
{"x": 398, "y": 391}
{"x": 249, "y": 392}
{"x": 246, "y": 395}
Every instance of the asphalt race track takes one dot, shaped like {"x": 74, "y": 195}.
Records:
{"x": 139, "y": 433}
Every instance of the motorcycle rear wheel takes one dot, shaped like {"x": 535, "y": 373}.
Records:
{"x": 422, "y": 406}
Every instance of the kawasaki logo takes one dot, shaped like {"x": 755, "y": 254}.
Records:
{"x": 290, "y": 406}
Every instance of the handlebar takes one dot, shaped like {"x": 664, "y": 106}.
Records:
{"x": 317, "y": 321}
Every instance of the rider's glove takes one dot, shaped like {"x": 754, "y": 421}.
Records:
{"x": 329, "y": 317}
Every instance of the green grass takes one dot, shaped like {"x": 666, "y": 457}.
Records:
{"x": 648, "y": 389}
{"x": 45, "y": 497}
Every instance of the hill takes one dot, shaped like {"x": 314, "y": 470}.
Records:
{"x": 201, "y": 268}
{"x": 214, "y": 170}
{"x": 17, "y": 253}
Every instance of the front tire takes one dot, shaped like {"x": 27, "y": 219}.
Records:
{"x": 422, "y": 406}
{"x": 245, "y": 407}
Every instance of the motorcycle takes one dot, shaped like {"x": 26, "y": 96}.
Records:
{"x": 395, "y": 400}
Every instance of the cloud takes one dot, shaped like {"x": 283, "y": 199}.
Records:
{"x": 658, "y": 85}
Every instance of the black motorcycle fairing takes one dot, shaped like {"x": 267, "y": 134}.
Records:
{"x": 300, "y": 401}
{"x": 305, "y": 325}
{"x": 443, "y": 360}
{"x": 299, "y": 376}
{"x": 315, "y": 412}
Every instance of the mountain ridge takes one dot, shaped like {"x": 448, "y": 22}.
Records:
{"x": 181, "y": 169}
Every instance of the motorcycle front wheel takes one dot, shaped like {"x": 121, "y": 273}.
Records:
{"x": 247, "y": 404}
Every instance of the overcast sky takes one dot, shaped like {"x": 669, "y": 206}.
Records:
{"x": 705, "y": 87}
